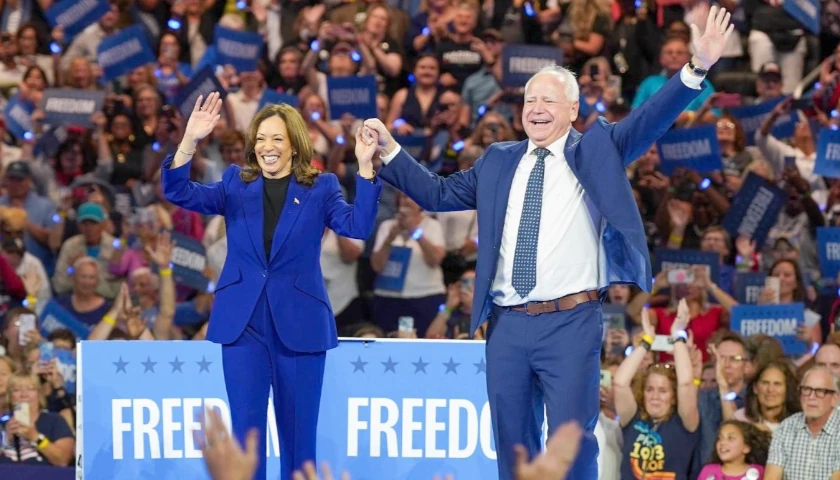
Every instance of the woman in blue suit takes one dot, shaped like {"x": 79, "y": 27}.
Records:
{"x": 271, "y": 313}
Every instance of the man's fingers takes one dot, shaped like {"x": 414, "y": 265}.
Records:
{"x": 710, "y": 20}
{"x": 521, "y": 456}
{"x": 251, "y": 443}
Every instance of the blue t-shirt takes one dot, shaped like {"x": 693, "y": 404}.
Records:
{"x": 653, "y": 83}
{"x": 662, "y": 450}
{"x": 88, "y": 318}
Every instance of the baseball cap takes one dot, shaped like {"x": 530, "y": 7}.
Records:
{"x": 19, "y": 170}
{"x": 90, "y": 211}
{"x": 770, "y": 69}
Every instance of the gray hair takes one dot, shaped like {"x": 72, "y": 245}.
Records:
{"x": 86, "y": 261}
{"x": 565, "y": 76}
{"x": 834, "y": 379}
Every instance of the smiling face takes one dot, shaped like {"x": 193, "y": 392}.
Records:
{"x": 659, "y": 396}
{"x": 730, "y": 445}
{"x": 548, "y": 114}
{"x": 771, "y": 389}
{"x": 273, "y": 148}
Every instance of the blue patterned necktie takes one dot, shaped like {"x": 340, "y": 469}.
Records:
{"x": 525, "y": 257}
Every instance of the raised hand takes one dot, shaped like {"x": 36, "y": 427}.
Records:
{"x": 204, "y": 117}
{"x": 683, "y": 317}
{"x": 647, "y": 327}
{"x": 709, "y": 47}
{"x": 366, "y": 147}
{"x": 223, "y": 455}
{"x": 384, "y": 141}
{"x": 161, "y": 254}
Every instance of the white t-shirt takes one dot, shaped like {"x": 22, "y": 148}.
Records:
{"x": 421, "y": 280}
{"x": 457, "y": 228}
{"x": 339, "y": 276}
{"x": 243, "y": 110}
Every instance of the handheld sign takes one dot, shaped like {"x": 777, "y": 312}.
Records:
{"x": 521, "y": 62}
{"x": 828, "y": 153}
{"x": 240, "y": 49}
{"x": 270, "y": 97}
{"x": 413, "y": 145}
{"x": 54, "y": 317}
{"x": 75, "y": 15}
{"x": 392, "y": 277}
{"x": 71, "y": 106}
{"x": 354, "y": 95}
{"x": 828, "y": 245}
{"x": 665, "y": 259}
{"x": 754, "y": 209}
{"x": 18, "y": 115}
{"x": 752, "y": 116}
{"x": 778, "y": 321}
{"x": 748, "y": 286}
{"x": 124, "y": 51}
{"x": 203, "y": 82}
{"x": 694, "y": 148}
{"x": 806, "y": 12}
{"x": 188, "y": 262}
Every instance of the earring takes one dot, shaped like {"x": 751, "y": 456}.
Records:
{"x": 131, "y": 138}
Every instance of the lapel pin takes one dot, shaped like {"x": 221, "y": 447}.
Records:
{"x": 296, "y": 201}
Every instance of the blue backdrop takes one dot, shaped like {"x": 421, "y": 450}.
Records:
{"x": 390, "y": 409}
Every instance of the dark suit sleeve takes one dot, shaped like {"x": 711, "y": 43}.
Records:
{"x": 645, "y": 125}
{"x": 432, "y": 192}
{"x": 177, "y": 188}
{"x": 357, "y": 220}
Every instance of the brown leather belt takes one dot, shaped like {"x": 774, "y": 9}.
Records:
{"x": 557, "y": 305}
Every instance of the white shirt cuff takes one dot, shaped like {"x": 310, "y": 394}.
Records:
{"x": 689, "y": 79}
{"x": 387, "y": 158}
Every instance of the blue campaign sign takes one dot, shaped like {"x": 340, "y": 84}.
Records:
{"x": 807, "y": 12}
{"x": 828, "y": 153}
{"x": 754, "y": 209}
{"x": 188, "y": 261}
{"x": 748, "y": 286}
{"x": 203, "y": 82}
{"x": 828, "y": 251}
{"x": 71, "y": 106}
{"x": 389, "y": 409}
{"x": 614, "y": 316}
{"x": 353, "y": 95}
{"x": 778, "y": 321}
{"x": 521, "y": 62}
{"x": 413, "y": 145}
{"x": 695, "y": 148}
{"x": 752, "y": 116}
{"x": 270, "y": 97}
{"x": 240, "y": 49}
{"x": 54, "y": 316}
{"x": 65, "y": 363}
{"x": 124, "y": 51}
{"x": 76, "y": 15}
{"x": 665, "y": 258}
{"x": 392, "y": 277}
{"x": 18, "y": 114}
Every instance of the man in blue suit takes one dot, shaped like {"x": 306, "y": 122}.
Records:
{"x": 557, "y": 225}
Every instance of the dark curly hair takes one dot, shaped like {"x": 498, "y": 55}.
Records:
{"x": 758, "y": 440}
{"x": 791, "y": 406}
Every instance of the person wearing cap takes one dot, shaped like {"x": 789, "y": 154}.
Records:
{"x": 40, "y": 211}
{"x": 768, "y": 83}
{"x": 92, "y": 241}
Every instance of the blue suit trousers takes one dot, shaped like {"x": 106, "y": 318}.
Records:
{"x": 538, "y": 364}
{"x": 253, "y": 362}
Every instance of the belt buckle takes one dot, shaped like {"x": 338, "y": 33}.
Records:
{"x": 536, "y": 305}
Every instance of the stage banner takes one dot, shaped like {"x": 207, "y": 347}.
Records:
{"x": 75, "y": 15}
{"x": 828, "y": 153}
{"x": 124, "y": 51}
{"x": 71, "y": 106}
{"x": 240, "y": 49}
{"x": 748, "y": 286}
{"x": 521, "y": 62}
{"x": 353, "y": 95}
{"x": 390, "y": 409}
{"x": 204, "y": 82}
{"x": 778, "y": 321}
{"x": 270, "y": 96}
{"x": 806, "y": 12}
{"x": 752, "y": 116}
{"x": 828, "y": 251}
{"x": 18, "y": 115}
{"x": 696, "y": 148}
{"x": 754, "y": 209}
{"x": 664, "y": 258}
{"x": 189, "y": 258}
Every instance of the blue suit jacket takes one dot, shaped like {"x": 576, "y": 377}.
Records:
{"x": 597, "y": 158}
{"x": 292, "y": 276}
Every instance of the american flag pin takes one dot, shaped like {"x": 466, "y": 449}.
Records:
{"x": 296, "y": 201}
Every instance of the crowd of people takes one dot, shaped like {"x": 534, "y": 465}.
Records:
{"x": 85, "y": 228}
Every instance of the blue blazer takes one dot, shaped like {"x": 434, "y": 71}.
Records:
{"x": 598, "y": 159}
{"x": 291, "y": 276}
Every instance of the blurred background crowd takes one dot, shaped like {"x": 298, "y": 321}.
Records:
{"x": 85, "y": 230}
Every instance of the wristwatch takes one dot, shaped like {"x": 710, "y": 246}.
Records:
{"x": 700, "y": 72}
